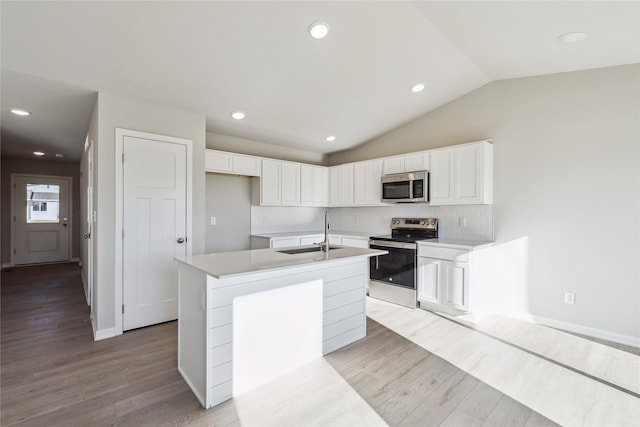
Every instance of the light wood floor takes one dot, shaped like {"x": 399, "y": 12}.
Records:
{"x": 53, "y": 373}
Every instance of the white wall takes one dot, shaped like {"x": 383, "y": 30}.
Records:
{"x": 377, "y": 220}
{"x": 276, "y": 219}
{"x": 228, "y": 199}
{"x": 221, "y": 142}
{"x": 567, "y": 188}
{"x": 118, "y": 112}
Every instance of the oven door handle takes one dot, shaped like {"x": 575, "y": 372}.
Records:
{"x": 387, "y": 244}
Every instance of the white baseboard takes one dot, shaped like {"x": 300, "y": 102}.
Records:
{"x": 580, "y": 329}
{"x": 103, "y": 333}
{"x": 76, "y": 260}
{"x": 7, "y": 265}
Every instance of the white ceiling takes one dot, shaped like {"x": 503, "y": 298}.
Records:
{"x": 216, "y": 57}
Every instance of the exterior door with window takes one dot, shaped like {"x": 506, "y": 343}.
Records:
{"x": 41, "y": 221}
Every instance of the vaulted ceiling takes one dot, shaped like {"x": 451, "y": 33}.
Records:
{"x": 217, "y": 57}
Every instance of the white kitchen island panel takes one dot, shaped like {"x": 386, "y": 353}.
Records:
{"x": 206, "y": 323}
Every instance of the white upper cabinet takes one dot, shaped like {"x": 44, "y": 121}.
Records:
{"x": 367, "y": 186}
{"x": 231, "y": 163}
{"x": 341, "y": 185}
{"x": 280, "y": 183}
{"x": 462, "y": 175}
{"x": 406, "y": 163}
{"x": 314, "y": 185}
{"x": 290, "y": 184}
{"x": 270, "y": 191}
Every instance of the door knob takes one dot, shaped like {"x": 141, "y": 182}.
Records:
{"x": 87, "y": 236}
{"x": 180, "y": 240}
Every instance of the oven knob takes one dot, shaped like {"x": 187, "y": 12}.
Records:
{"x": 391, "y": 279}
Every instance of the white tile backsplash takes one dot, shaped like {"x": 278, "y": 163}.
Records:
{"x": 375, "y": 220}
{"x": 276, "y": 219}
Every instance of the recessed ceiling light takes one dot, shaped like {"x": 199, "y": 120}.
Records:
{"x": 38, "y": 153}
{"x": 238, "y": 115}
{"x": 330, "y": 138}
{"x": 60, "y": 156}
{"x": 319, "y": 30}
{"x": 20, "y": 112}
{"x": 418, "y": 87}
{"x": 572, "y": 37}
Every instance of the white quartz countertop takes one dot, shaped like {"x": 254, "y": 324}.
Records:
{"x": 229, "y": 264}
{"x": 312, "y": 233}
{"x": 456, "y": 244}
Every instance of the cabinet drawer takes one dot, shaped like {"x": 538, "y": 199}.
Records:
{"x": 448, "y": 254}
{"x": 285, "y": 243}
{"x": 310, "y": 240}
{"x": 355, "y": 242}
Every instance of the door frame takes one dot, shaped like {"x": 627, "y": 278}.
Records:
{"x": 119, "y": 206}
{"x": 69, "y": 179}
{"x": 86, "y": 200}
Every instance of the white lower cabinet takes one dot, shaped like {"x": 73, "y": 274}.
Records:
{"x": 351, "y": 241}
{"x": 443, "y": 282}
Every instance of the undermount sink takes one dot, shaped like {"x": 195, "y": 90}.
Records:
{"x": 306, "y": 250}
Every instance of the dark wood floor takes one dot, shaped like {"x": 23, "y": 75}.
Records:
{"x": 53, "y": 373}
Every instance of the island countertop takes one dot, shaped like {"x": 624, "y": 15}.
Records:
{"x": 230, "y": 264}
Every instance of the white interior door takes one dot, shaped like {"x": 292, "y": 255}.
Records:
{"x": 154, "y": 229}
{"x": 41, "y": 221}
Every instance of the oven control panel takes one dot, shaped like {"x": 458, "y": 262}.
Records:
{"x": 414, "y": 223}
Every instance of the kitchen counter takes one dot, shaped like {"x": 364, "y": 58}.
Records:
{"x": 456, "y": 244}
{"x": 230, "y": 264}
{"x": 312, "y": 233}
{"x": 288, "y": 308}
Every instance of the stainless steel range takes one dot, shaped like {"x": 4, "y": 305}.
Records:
{"x": 393, "y": 276}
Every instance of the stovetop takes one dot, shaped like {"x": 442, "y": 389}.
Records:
{"x": 411, "y": 230}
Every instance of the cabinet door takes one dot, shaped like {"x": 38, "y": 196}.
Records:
{"x": 342, "y": 185}
{"x": 290, "y": 184}
{"x": 320, "y": 186}
{"x": 392, "y": 165}
{"x": 366, "y": 183}
{"x": 307, "y": 185}
{"x": 270, "y": 183}
{"x": 429, "y": 278}
{"x": 441, "y": 177}
{"x": 455, "y": 284}
{"x": 468, "y": 175}
{"x": 246, "y": 165}
{"x": 218, "y": 161}
{"x": 416, "y": 162}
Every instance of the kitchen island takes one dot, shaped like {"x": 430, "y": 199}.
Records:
{"x": 246, "y": 317}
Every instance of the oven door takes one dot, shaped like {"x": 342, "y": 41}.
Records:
{"x": 398, "y": 267}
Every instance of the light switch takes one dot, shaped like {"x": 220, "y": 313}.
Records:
{"x": 213, "y": 220}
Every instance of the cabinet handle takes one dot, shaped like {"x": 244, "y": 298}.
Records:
{"x": 181, "y": 240}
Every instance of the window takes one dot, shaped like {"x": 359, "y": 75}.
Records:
{"x": 43, "y": 203}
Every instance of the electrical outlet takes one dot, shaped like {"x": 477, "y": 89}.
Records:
{"x": 569, "y": 298}
{"x": 213, "y": 220}
{"x": 462, "y": 222}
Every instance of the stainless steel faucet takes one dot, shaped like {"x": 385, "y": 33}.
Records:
{"x": 324, "y": 246}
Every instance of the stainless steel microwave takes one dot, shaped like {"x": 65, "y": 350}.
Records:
{"x": 410, "y": 187}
